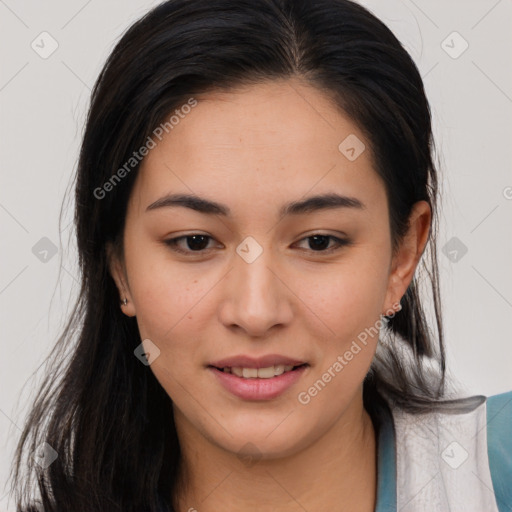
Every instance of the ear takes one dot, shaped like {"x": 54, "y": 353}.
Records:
{"x": 118, "y": 272}
{"x": 408, "y": 255}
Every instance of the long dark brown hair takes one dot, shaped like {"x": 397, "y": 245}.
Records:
{"x": 104, "y": 413}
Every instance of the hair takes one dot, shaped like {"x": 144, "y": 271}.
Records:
{"x": 103, "y": 412}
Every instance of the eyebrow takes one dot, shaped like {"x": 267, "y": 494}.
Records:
{"x": 308, "y": 205}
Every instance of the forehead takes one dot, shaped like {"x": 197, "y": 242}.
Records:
{"x": 259, "y": 142}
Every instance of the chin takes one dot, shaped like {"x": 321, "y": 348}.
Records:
{"x": 269, "y": 440}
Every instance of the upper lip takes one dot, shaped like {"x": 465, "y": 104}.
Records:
{"x": 243, "y": 361}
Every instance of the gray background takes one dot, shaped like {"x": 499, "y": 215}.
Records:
{"x": 43, "y": 103}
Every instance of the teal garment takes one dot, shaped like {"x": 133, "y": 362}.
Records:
{"x": 499, "y": 452}
{"x": 499, "y": 439}
{"x": 386, "y": 462}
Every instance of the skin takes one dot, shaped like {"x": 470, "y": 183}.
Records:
{"x": 253, "y": 150}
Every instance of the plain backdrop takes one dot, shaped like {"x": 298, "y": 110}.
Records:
{"x": 463, "y": 51}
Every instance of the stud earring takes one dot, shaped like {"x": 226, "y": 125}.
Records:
{"x": 124, "y": 302}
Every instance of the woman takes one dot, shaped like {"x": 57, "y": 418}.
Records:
{"x": 255, "y": 193}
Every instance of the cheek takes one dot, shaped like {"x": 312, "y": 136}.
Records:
{"x": 166, "y": 295}
{"x": 349, "y": 303}
{"x": 167, "y": 307}
{"x": 346, "y": 297}
{"x": 170, "y": 312}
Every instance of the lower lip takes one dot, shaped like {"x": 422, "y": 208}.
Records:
{"x": 258, "y": 389}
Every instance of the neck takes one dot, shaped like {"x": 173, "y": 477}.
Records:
{"x": 336, "y": 472}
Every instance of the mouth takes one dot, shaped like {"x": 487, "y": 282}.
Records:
{"x": 259, "y": 373}
{"x": 257, "y": 384}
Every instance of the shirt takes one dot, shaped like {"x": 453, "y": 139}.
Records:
{"x": 451, "y": 460}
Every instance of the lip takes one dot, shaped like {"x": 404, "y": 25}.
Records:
{"x": 256, "y": 388}
{"x": 244, "y": 361}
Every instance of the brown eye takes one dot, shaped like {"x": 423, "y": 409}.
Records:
{"x": 193, "y": 243}
{"x": 320, "y": 243}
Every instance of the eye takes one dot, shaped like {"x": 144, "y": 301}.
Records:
{"x": 194, "y": 243}
{"x": 320, "y": 243}
{"x": 198, "y": 243}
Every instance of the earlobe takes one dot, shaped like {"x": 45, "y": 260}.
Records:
{"x": 118, "y": 273}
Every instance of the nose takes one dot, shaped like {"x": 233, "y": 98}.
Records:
{"x": 256, "y": 296}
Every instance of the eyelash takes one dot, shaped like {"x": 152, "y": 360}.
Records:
{"x": 340, "y": 242}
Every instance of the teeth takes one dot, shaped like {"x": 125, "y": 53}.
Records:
{"x": 265, "y": 373}
{"x": 279, "y": 369}
{"x": 249, "y": 372}
{"x": 261, "y": 373}
{"x": 237, "y": 371}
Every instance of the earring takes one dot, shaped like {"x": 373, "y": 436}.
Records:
{"x": 124, "y": 302}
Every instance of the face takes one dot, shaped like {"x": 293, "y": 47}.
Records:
{"x": 265, "y": 274}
